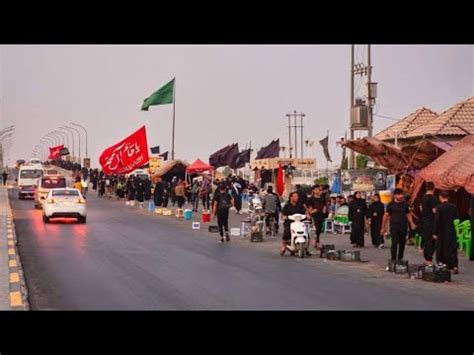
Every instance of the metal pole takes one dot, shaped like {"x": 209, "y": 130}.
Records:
{"x": 63, "y": 135}
{"x": 289, "y": 135}
{"x": 54, "y": 137}
{"x": 301, "y": 116}
{"x": 72, "y": 135}
{"x": 174, "y": 110}
{"x": 296, "y": 137}
{"x": 87, "y": 144}
{"x": 351, "y": 164}
{"x": 79, "y": 139}
{"x": 369, "y": 93}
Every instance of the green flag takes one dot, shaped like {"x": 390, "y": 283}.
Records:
{"x": 162, "y": 96}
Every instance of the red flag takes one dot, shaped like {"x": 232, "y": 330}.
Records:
{"x": 55, "y": 152}
{"x": 127, "y": 155}
{"x": 280, "y": 183}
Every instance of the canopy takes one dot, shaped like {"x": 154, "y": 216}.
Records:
{"x": 396, "y": 159}
{"x": 171, "y": 168}
{"x": 198, "y": 167}
{"x": 451, "y": 171}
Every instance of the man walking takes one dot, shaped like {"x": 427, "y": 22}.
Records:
{"x": 4, "y": 176}
{"x": 221, "y": 204}
{"x": 317, "y": 208}
{"x": 445, "y": 234}
{"x": 272, "y": 207}
{"x": 428, "y": 209}
{"x": 398, "y": 214}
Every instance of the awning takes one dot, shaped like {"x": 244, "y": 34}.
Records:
{"x": 396, "y": 159}
{"x": 198, "y": 167}
{"x": 451, "y": 171}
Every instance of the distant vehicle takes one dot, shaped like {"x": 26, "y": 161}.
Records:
{"x": 52, "y": 172}
{"x": 28, "y": 180}
{"x": 20, "y": 163}
{"x": 45, "y": 184}
{"x": 65, "y": 203}
{"x": 34, "y": 161}
{"x": 141, "y": 173}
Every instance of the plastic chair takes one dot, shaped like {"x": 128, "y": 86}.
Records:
{"x": 464, "y": 229}
{"x": 328, "y": 226}
{"x": 418, "y": 239}
{"x": 466, "y": 239}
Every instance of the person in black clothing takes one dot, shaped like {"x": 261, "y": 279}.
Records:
{"x": 302, "y": 196}
{"x": 357, "y": 213}
{"x": 221, "y": 203}
{"x": 5, "y": 176}
{"x": 375, "y": 216}
{"x": 101, "y": 187}
{"x": 158, "y": 192}
{"x": 428, "y": 209}
{"x": 317, "y": 209}
{"x": 131, "y": 189}
{"x": 147, "y": 189}
{"x": 293, "y": 206}
{"x": 140, "y": 191}
{"x": 398, "y": 214}
{"x": 166, "y": 193}
{"x": 445, "y": 234}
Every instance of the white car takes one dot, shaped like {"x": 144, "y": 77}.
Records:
{"x": 45, "y": 184}
{"x": 64, "y": 203}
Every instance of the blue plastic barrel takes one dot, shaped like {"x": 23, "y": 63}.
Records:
{"x": 188, "y": 214}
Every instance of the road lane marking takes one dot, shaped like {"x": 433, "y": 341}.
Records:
{"x": 11, "y": 251}
{"x": 14, "y": 277}
{"x": 12, "y": 263}
{"x": 10, "y": 243}
{"x": 15, "y": 299}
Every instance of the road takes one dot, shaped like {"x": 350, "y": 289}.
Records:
{"x": 124, "y": 259}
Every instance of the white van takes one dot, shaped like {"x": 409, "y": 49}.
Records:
{"x": 28, "y": 177}
{"x": 141, "y": 173}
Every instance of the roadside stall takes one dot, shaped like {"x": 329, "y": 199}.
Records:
{"x": 169, "y": 169}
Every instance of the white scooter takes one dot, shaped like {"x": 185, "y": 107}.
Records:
{"x": 299, "y": 235}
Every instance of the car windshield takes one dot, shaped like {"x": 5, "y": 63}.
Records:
{"x": 52, "y": 172}
{"x": 52, "y": 183}
{"x": 31, "y": 174}
{"x": 66, "y": 193}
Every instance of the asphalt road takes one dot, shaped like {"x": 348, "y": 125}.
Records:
{"x": 124, "y": 259}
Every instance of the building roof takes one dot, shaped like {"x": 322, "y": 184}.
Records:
{"x": 413, "y": 120}
{"x": 461, "y": 114}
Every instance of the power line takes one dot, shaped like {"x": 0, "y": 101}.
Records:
{"x": 387, "y": 117}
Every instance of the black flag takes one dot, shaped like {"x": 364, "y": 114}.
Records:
{"x": 224, "y": 156}
{"x": 215, "y": 157}
{"x": 155, "y": 150}
{"x": 270, "y": 151}
{"x": 241, "y": 159}
{"x": 325, "y": 142}
{"x": 164, "y": 156}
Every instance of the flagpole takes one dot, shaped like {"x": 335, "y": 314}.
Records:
{"x": 327, "y": 161}
{"x": 174, "y": 109}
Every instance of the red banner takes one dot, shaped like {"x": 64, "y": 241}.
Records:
{"x": 55, "y": 152}
{"x": 127, "y": 155}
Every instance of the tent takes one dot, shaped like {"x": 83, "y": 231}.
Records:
{"x": 198, "y": 167}
{"x": 171, "y": 168}
{"x": 451, "y": 171}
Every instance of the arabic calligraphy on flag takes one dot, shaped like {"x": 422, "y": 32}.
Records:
{"x": 127, "y": 155}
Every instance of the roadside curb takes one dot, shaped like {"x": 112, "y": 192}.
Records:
{"x": 18, "y": 289}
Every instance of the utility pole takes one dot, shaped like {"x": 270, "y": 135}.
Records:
{"x": 289, "y": 135}
{"x": 361, "y": 110}
{"x": 295, "y": 126}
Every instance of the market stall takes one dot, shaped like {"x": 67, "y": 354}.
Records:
{"x": 169, "y": 169}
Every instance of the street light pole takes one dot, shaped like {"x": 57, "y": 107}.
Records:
{"x": 79, "y": 140}
{"x": 63, "y": 135}
{"x": 72, "y": 136}
{"x": 87, "y": 145}
{"x": 53, "y": 137}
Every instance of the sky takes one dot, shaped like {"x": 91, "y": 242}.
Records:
{"x": 224, "y": 93}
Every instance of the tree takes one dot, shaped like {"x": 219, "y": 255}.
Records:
{"x": 321, "y": 181}
{"x": 361, "y": 161}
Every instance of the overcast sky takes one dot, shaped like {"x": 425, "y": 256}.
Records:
{"x": 224, "y": 94}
